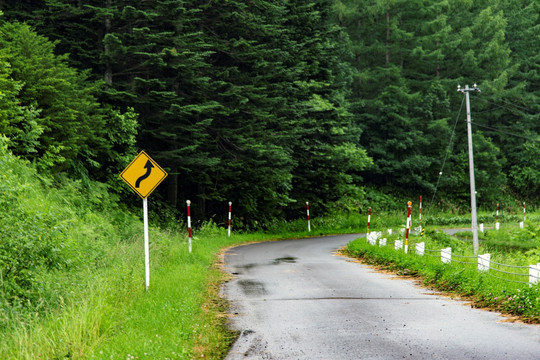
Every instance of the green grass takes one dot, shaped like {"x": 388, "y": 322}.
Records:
{"x": 109, "y": 315}
{"x": 104, "y": 311}
{"x": 500, "y": 292}
{"x": 72, "y": 282}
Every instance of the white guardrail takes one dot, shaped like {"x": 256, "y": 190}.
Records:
{"x": 483, "y": 262}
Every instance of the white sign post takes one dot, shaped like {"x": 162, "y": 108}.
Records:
{"x": 146, "y": 243}
{"x": 143, "y": 175}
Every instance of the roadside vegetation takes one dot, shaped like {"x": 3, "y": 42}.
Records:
{"x": 500, "y": 288}
{"x": 335, "y": 119}
{"x": 72, "y": 282}
{"x": 72, "y": 272}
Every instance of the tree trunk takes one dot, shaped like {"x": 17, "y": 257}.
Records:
{"x": 172, "y": 189}
{"x": 201, "y": 201}
{"x": 107, "y": 76}
{"x": 387, "y": 37}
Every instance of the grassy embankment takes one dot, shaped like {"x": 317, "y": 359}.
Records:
{"x": 498, "y": 290}
{"x": 72, "y": 274}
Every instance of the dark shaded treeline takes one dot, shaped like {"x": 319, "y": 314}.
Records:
{"x": 410, "y": 57}
{"x": 273, "y": 103}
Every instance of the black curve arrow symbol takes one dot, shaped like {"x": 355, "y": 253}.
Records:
{"x": 148, "y": 168}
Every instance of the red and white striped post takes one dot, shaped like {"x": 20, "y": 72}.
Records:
{"x": 408, "y": 226}
{"x": 230, "y": 207}
{"x": 189, "y": 222}
{"x": 368, "y": 219}
{"x": 497, "y": 218}
{"x": 420, "y": 214}
{"x": 308, "y": 222}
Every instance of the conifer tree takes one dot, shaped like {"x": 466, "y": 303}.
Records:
{"x": 515, "y": 113}
{"x": 11, "y": 115}
{"x": 58, "y": 102}
{"x": 327, "y": 149}
{"x": 251, "y": 83}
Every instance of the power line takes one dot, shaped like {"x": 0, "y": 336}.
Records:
{"x": 479, "y": 125}
{"x": 447, "y": 151}
{"x": 504, "y": 132}
{"x": 530, "y": 111}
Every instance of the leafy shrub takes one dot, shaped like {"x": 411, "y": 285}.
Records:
{"x": 46, "y": 229}
{"x": 512, "y": 240}
{"x": 439, "y": 239}
{"x": 33, "y": 234}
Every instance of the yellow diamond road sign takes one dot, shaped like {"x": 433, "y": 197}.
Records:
{"x": 143, "y": 175}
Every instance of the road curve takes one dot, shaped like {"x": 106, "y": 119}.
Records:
{"x": 296, "y": 299}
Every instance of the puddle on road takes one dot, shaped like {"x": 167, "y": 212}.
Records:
{"x": 248, "y": 266}
{"x": 251, "y": 287}
{"x": 243, "y": 268}
{"x": 288, "y": 260}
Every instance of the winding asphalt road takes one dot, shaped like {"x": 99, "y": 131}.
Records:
{"x": 297, "y": 299}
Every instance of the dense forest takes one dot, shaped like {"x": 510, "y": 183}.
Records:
{"x": 269, "y": 104}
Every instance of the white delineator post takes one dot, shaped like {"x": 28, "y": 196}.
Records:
{"x": 420, "y": 248}
{"x": 368, "y": 219}
{"x": 408, "y": 226}
{"x": 446, "y": 255}
{"x": 497, "y": 218}
{"x": 146, "y": 243}
{"x": 189, "y": 222}
{"x": 534, "y": 274}
{"x": 522, "y": 224}
{"x": 483, "y": 262}
{"x": 372, "y": 238}
{"x": 230, "y": 207}
{"x": 308, "y": 222}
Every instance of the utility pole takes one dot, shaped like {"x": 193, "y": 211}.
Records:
{"x": 471, "y": 165}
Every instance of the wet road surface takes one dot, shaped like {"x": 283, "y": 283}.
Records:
{"x": 296, "y": 299}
